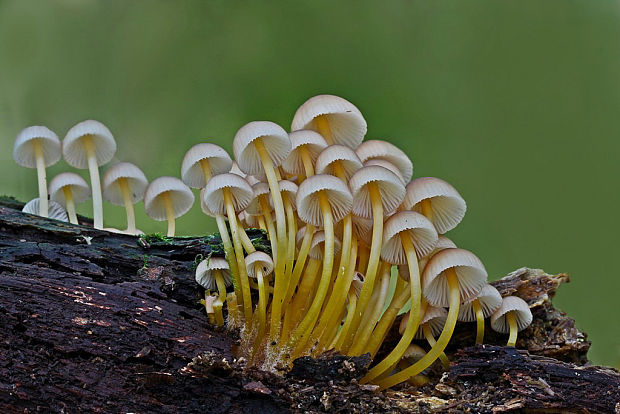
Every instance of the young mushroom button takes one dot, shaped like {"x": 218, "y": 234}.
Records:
{"x": 38, "y": 147}
{"x": 124, "y": 184}
{"x": 69, "y": 189}
{"x": 513, "y": 316}
{"x": 201, "y": 162}
{"x": 213, "y": 274}
{"x": 167, "y": 198}
{"x": 90, "y": 144}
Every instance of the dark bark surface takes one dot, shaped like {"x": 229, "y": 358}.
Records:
{"x": 92, "y": 321}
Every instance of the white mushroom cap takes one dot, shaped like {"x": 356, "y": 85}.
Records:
{"x": 312, "y": 141}
{"x": 470, "y": 271}
{"x": 390, "y": 187}
{"x": 56, "y": 211}
{"x": 259, "y": 189}
{"x": 300, "y": 235}
{"x": 80, "y": 191}
{"x": 181, "y": 197}
{"x": 346, "y": 122}
{"x": 435, "y": 317}
{"x": 363, "y": 229}
{"x": 203, "y": 206}
{"x": 191, "y": 170}
{"x": 274, "y": 137}
{"x": 205, "y": 275}
{"x": 420, "y": 230}
{"x": 442, "y": 243}
{"x": 522, "y": 312}
{"x": 209, "y": 302}
{"x": 447, "y": 204}
{"x": 348, "y": 159}
{"x": 240, "y": 192}
{"x": 318, "y": 245}
{"x": 387, "y": 165}
{"x": 290, "y": 189}
{"x": 377, "y": 149}
{"x": 258, "y": 259}
{"x": 490, "y": 300}
{"x": 338, "y": 195}
{"x": 23, "y": 149}
{"x": 135, "y": 178}
{"x": 103, "y": 141}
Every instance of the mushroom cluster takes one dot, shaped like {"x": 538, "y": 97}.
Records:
{"x": 344, "y": 218}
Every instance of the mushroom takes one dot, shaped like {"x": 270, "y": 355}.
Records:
{"x": 90, "y": 144}
{"x": 335, "y": 118}
{"x": 479, "y": 308}
{"x": 214, "y": 274}
{"x": 451, "y": 276}
{"x": 203, "y": 161}
{"x": 260, "y": 147}
{"x": 431, "y": 325}
{"x": 38, "y": 147}
{"x": 437, "y": 200}
{"x": 260, "y": 207}
{"x": 407, "y": 237}
{"x": 355, "y": 289}
{"x": 258, "y": 266}
{"x": 377, "y": 150}
{"x": 322, "y": 200}
{"x": 67, "y": 189}
{"x": 124, "y": 184}
{"x": 167, "y": 198}
{"x": 306, "y": 145}
{"x": 513, "y": 316}
{"x": 227, "y": 194}
{"x": 56, "y": 211}
{"x": 209, "y": 303}
{"x": 377, "y": 192}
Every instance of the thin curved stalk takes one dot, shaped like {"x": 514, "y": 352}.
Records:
{"x": 512, "y": 323}
{"x": 41, "y": 178}
{"x": 95, "y": 183}
{"x": 306, "y": 160}
{"x": 291, "y": 317}
{"x": 479, "y": 321}
{"x": 169, "y": 213}
{"x": 261, "y": 308}
{"x": 302, "y": 256}
{"x": 428, "y": 335}
{"x": 221, "y": 290}
{"x": 131, "y": 217}
{"x": 229, "y": 251}
{"x": 70, "y": 204}
{"x": 245, "y": 240}
{"x": 271, "y": 230}
{"x": 337, "y": 343}
{"x": 290, "y": 249}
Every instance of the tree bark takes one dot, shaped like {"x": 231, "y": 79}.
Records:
{"x": 92, "y": 321}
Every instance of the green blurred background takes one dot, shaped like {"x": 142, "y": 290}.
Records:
{"x": 516, "y": 103}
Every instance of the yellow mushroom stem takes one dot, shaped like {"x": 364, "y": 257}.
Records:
{"x": 414, "y": 314}
{"x": 206, "y": 169}
{"x": 95, "y": 184}
{"x": 307, "y": 323}
{"x": 261, "y": 223}
{"x": 373, "y": 312}
{"x": 512, "y": 324}
{"x": 373, "y": 262}
{"x": 41, "y": 178}
{"x": 279, "y": 287}
{"x": 126, "y": 193}
{"x": 479, "y": 321}
{"x": 66, "y": 190}
{"x": 337, "y": 343}
{"x": 243, "y": 275}
{"x": 428, "y": 335}
{"x": 299, "y": 265}
{"x": 233, "y": 311}
{"x": 442, "y": 341}
{"x": 221, "y": 290}
{"x": 261, "y": 309}
{"x": 427, "y": 208}
{"x": 401, "y": 296}
{"x": 291, "y": 317}
{"x": 290, "y": 248}
{"x": 245, "y": 239}
{"x": 169, "y": 212}
{"x": 217, "y": 309}
{"x": 306, "y": 160}
{"x": 271, "y": 230}
{"x": 229, "y": 251}
{"x": 322, "y": 124}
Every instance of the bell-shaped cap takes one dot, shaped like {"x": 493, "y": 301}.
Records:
{"x": 181, "y": 197}
{"x": 447, "y": 205}
{"x": 490, "y": 300}
{"x": 312, "y": 141}
{"x": 387, "y": 165}
{"x": 56, "y": 211}
{"x": 419, "y": 229}
{"x": 317, "y": 246}
{"x": 273, "y": 136}
{"x": 521, "y": 310}
{"x": 258, "y": 260}
{"x": 391, "y": 190}
{"x": 346, "y": 123}
{"x": 80, "y": 191}
{"x": 205, "y": 272}
{"x": 345, "y": 156}
{"x": 382, "y": 150}
{"x": 338, "y": 196}
{"x": 135, "y": 179}
{"x": 74, "y": 151}
{"x": 442, "y": 243}
{"x": 470, "y": 272}
{"x": 191, "y": 169}
{"x": 240, "y": 191}
{"x": 23, "y": 149}
{"x": 259, "y": 190}
{"x": 289, "y": 189}
{"x": 203, "y": 206}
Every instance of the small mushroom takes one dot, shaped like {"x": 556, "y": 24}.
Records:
{"x": 90, "y": 144}
{"x": 382, "y": 150}
{"x": 56, "y": 211}
{"x": 38, "y": 147}
{"x": 479, "y": 308}
{"x": 68, "y": 189}
{"x": 125, "y": 184}
{"x": 167, "y": 198}
{"x": 214, "y": 274}
{"x": 201, "y": 162}
{"x": 513, "y": 316}
{"x": 306, "y": 145}
{"x": 258, "y": 266}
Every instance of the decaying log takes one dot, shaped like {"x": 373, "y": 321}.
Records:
{"x": 92, "y": 321}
